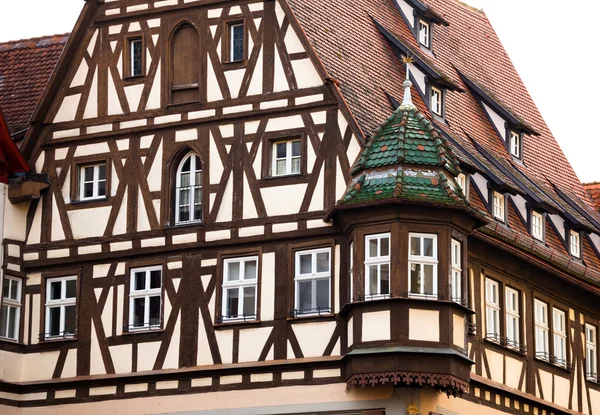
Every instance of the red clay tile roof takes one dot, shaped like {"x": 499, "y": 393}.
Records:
{"x": 593, "y": 190}
{"x": 25, "y": 67}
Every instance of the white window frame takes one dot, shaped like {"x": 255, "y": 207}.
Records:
{"x": 351, "y": 271}
{"x": 62, "y": 302}
{"x": 95, "y": 181}
{"x": 193, "y": 188}
{"x": 456, "y": 260}
{"x": 314, "y": 277}
{"x": 575, "y": 244}
{"x": 537, "y": 225}
{"x": 542, "y": 329}
{"x": 437, "y": 104}
{"x": 378, "y": 261}
{"x": 492, "y": 310}
{"x": 461, "y": 179}
{"x": 147, "y": 293}
{"x": 132, "y": 43}
{"x": 424, "y": 33}
{"x": 559, "y": 328}
{"x": 591, "y": 352}
{"x": 423, "y": 260}
{"x": 240, "y": 284}
{"x": 499, "y": 206}
{"x": 513, "y": 318}
{"x": 288, "y": 157}
{"x": 231, "y": 28}
{"x": 14, "y": 305}
{"x": 515, "y": 144}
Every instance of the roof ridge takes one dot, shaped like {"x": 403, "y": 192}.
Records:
{"x": 40, "y": 41}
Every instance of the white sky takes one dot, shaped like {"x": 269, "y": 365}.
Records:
{"x": 556, "y": 56}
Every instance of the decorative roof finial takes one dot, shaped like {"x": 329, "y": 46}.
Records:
{"x": 407, "y": 101}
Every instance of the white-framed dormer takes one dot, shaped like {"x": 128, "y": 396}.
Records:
{"x": 498, "y": 206}
{"x": 424, "y": 33}
{"x": 537, "y": 225}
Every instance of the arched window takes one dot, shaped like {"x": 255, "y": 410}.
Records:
{"x": 188, "y": 192}
{"x": 185, "y": 67}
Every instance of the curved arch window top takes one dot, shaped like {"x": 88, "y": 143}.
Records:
{"x": 185, "y": 72}
{"x": 188, "y": 192}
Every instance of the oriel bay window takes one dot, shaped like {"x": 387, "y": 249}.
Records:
{"x": 422, "y": 265}
{"x": 60, "y": 307}
{"x": 456, "y": 282}
{"x": 312, "y": 282}
{"x": 377, "y": 266}
{"x": 188, "y": 192}
{"x": 10, "y": 314}
{"x": 145, "y": 298}
{"x": 240, "y": 279}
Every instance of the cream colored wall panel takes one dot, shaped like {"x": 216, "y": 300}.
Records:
{"x": 121, "y": 222}
{"x": 89, "y": 223}
{"x": 340, "y": 181}
{"x": 92, "y": 149}
{"x": 306, "y": 74}
{"x": 186, "y": 135}
{"x": 92, "y": 43}
{"x": 35, "y": 318}
{"x": 68, "y": 108}
{"x": 114, "y": 29}
{"x": 80, "y": 75}
{"x": 513, "y": 372}
{"x": 267, "y": 287}
{"x": 134, "y": 94}
{"x": 496, "y": 365}
{"x": 143, "y": 223}
{"x": 226, "y": 131}
{"x": 280, "y": 83}
{"x": 195, "y": 115}
{"x": 313, "y": 337}
{"x": 249, "y": 208}
{"x": 172, "y": 357}
{"x": 154, "y": 96}
{"x": 424, "y": 325}
{"x": 11, "y": 366}
{"x": 350, "y": 329}
{"x": 293, "y": 195}
{"x": 96, "y": 361}
{"x": 213, "y": 92}
{"x": 15, "y": 221}
{"x": 39, "y": 366}
{"x": 252, "y": 342}
{"x": 147, "y": 353}
{"x": 103, "y": 390}
{"x": 594, "y": 399}
{"x": 284, "y": 123}
{"x": 136, "y": 387}
{"x": 336, "y": 280}
{"x": 225, "y": 209}
{"x": 376, "y": 326}
{"x": 203, "y": 355}
{"x": 216, "y": 166}
{"x": 257, "y": 165}
{"x": 107, "y": 313}
{"x": 225, "y": 341}
{"x": 234, "y": 81}
{"x": 91, "y": 107}
{"x": 256, "y": 83}
{"x": 70, "y": 367}
{"x": 458, "y": 334}
{"x": 279, "y": 13}
{"x": 292, "y": 42}
{"x": 153, "y": 23}
{"x": 121, "y": 356}
{"x": 317, "y": 202}
{"x": 96, "y": 129}
{"x": 546, "y": 381}
{"x": 285, "y": 227}
{"x": 561, "y": 391}
{"x": 120, "y": 299}
{"x": 319, "y": 117}
{"x": 114, "y": 105}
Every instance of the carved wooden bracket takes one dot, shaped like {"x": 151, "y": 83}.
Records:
{"x": 447, "y": 383}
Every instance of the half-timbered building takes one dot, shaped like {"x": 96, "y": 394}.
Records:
{"x": 290, "y": 207}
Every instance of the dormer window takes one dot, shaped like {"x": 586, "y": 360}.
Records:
{"x": 461, "y": 179}
{"x": 498, "y": 206}
{"x": 575, "y": 244}
{"x": 424, "y": 34}
{"x": 537, "y": 225}
{"x": 436, "y": 101}
{"x": 515, "y": 144}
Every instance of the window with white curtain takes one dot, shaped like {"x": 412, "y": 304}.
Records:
{"x": 492, "y": 310}
{"x": 542, "y": 350}
{"x": 560, "y": 337}
{"x": 513, "y": 318}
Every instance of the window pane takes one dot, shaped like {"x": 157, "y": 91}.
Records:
{"x": 281, "y": 166}
{"x": 323, "y": 295}
{"x": 384, "y": 246}
{"x": 249, "y": 301}
{"x": 232, "y": 298}
{"x": 55, "y": 290}
{"x": 5, "y": 285}
{"x": 250, "y": 270}
{"x": 233, "y": 271}
{"x": 373, "y": 278}
{"x": 155, "y": 280}
{"x": 415, "y": 246}
{"x": 71, "y": 289}
{"x": 295, "y": 148}
{"x": 186, "y": 165}
{"x": 140, "y": 280}
{"x": 155, "y": 311}
{"x": 428, "y": 247}
{"x": 306, "y": 264}
{"x": 14, "y": 290}
{"x": 373, "y": 248}
{"x": 12, "y": 321}
{"x": 281, "y": 149}
{"x": 304, "y": 296}
{"x": 139, "y": 308}
{"x": 88, "y": 190}
{"x": 415, "y": 279}
{"x": 136, "y": 58}
{"x": 323, "y": 262}
{"x": 88, "y": 174}
{"x": 4, "y": 321}
{"x": 237, "y": 42}
{"x": 184, "y": 180}
{"x": 54, "y": 321}
{"x": 102, "y": 172}
{"x": 296, "y": 165}
{"x": 198, "y": 178}
{"x": 385, "y": 278}
{"x": 428, "y": 269}
{"x": 70, "y": 319}
{"x": 102, "y": 188}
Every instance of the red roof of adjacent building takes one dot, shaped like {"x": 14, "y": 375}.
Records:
{"x": 593, "y": 190}
{"x": 25, "y": 68}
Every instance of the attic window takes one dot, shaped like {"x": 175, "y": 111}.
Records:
{"x": 575, "y": 244}
{"x": 424, "y": 34}
{"x": 499, "y": 206}
{"x": 436, "y": 101}
{"x": 515, "y": 144}
{"x": 461, "y": 179}
{"x": 537, "y": 225}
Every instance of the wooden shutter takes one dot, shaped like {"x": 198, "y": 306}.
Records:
{"x": 185, "y": 67}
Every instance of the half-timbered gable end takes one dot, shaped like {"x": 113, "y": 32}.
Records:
{"x": 290, "y": 207}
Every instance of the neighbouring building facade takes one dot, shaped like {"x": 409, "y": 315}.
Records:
{"x": 289, "y": 207}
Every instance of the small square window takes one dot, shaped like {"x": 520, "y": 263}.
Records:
{"x": 515, "y": 144}
{"x": 499, "y": 206}
{"x": 237, "y": 41}
{"x": 424, "y": 34}
{"x": 60, "y": 307}
{"x": 575, "y": 244}
{"x": 436, "y": 101}
{"x": 145, "y": 298}
{"x": 136, "y": 57}
{"x": 240, "y": 279}
{"x": 287, "y": 157}
{"x": 92, "y": 181}
{"x": 537, "y": 225}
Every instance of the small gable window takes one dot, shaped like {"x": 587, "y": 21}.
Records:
{"x": 498, "y": 206}
{"x": 436, "y": 101}
{"x": 461, "y": 179}
{"x": 135, "y": 57}
{"x": 92, "y": 181}
{"x": 424, "y": 34}
{"x": 287, "y": 155}
{"x": 537, "y": 225}
{"x": 515, "y": 144}
{"x": 188, "y": 192}
{"x": 236, "y": 42}
{"x": 575, "y": 244}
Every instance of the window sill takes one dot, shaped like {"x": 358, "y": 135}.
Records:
{"x": 232, "y": 65}
{"x": 521, "y": 350}
{"x": 132, "y": 332}
{"x": 9, "y": 340}
{"x": 51, "y": 340}
{"x": 184, "y": 225}
{"x": 131, "y": 78}
{"x": 235, "y": 323}
{"x": 568, "y": 368}
{"x": 91, "y": 203}
{"x": 283, "y": 176}
{"x": 310, "y": 317}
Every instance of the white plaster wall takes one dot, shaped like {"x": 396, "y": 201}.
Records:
{"x": 521, "y": 205}
{"x": 147, "y": 353}
{"x": 496, "y": 364}
{"x": 408, "y": 11}
{"x": 424, "y": 325}
{"x": 225, "y": 341}
{"x": 419, "y": 78}
{"x": 481, "y": 184}
{"x": 252, "y": 342}
{"x": 458, "y": 334}
{"x": 376, "y": 326}
{"x": 313, "y": 337}
{"x": 39, "y": 366}
{"x": 89, "y": 223}
{"x": 267, "y": 287}
{"x": 293, "y": 195}
{"x": 513, "y": 372}
{"x": 67, "y": 109}
{"x": 497, "y": 120}
{"x": 15, "y": 217}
